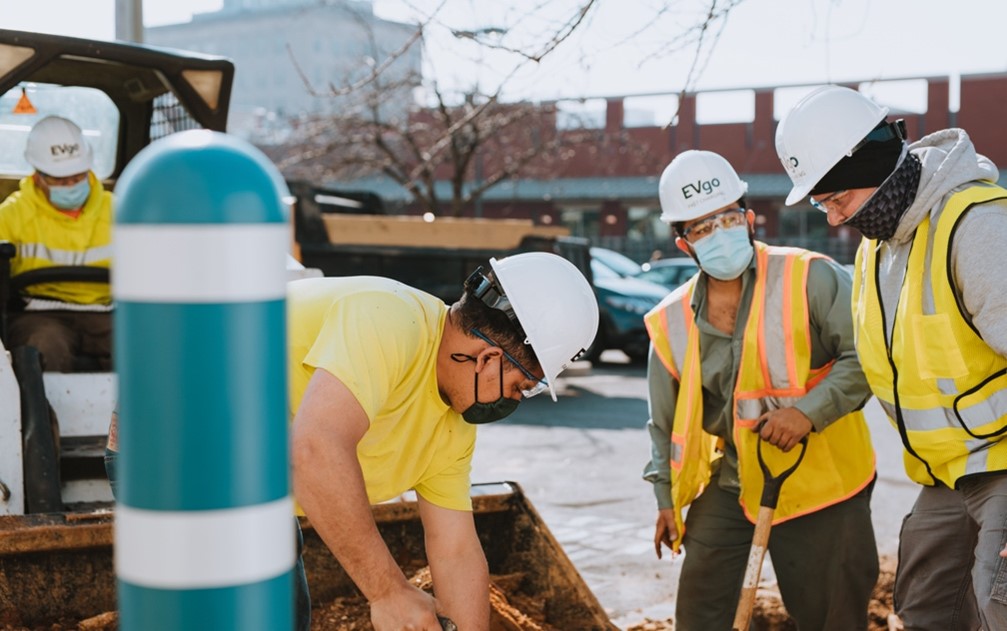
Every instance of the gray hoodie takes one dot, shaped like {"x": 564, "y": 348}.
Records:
{"x": 950, "y": 164}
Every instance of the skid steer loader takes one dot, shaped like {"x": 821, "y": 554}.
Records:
{"x": 56, "y": 507}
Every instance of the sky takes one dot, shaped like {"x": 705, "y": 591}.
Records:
{"x": 623, "y": 46}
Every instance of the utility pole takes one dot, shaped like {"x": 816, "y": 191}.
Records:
{"x": 129, "y": 20}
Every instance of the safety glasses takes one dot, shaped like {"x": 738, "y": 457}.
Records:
{"x": 730, "y": 218}
{"x": 829, "y": 202}
{"x": 541, "y": 385}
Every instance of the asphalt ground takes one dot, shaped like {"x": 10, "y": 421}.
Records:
{"x": 580, "y": 462}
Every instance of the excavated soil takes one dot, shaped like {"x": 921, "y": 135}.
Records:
{"x": 515, "y": 611}
{"x": 509, "y": 610}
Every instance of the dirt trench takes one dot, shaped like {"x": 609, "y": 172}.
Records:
{"x": 512, "y": 610}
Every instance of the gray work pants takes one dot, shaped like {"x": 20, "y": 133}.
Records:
{"x": 950, "y": 574}
{"x": 826, "y": 564}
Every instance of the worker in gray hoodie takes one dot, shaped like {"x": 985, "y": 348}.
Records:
{"x": 929, "y": 306}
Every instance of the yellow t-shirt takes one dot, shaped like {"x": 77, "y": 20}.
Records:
{"x": 380, "y": 338}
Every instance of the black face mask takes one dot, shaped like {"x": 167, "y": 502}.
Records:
{"x": 879, "y": 217}
{"x": 479, "y": 413}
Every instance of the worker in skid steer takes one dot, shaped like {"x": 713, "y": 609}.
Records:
{"x": 61, "y": 216}
{"x": 758, "y": 345}
{"x": 929, "y": 305}
{"x": 388, "y": 385}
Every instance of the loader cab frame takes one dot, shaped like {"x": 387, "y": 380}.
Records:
{"x": 124, "y": 96}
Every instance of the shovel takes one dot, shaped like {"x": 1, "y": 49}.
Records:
{"x": 760, "y": 539}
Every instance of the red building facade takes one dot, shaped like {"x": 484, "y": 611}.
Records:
{"x": 606, "y": 188}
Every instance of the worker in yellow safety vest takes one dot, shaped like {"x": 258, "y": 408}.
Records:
{"x": 757, "y": 346}
{"x": 929, "y": 302}
{"x": 61, "y": 216}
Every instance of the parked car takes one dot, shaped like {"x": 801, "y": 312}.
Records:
{"x": 668, "y": 272}
{"x": 615, "y": 261}
{"x": 623, "y": 300}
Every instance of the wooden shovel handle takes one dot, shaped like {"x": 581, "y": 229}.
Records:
{"x": 760, "y": 539}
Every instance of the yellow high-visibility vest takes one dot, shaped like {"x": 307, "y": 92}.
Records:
{"x": 941, "y": 385}
{"x": 774, "y": 372}
{"x": 46, "y": 237}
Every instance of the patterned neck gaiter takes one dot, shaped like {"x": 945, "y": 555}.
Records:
{"x": 879, "y": 216}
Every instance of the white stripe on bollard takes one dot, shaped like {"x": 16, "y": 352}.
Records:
{"x": 204, "y": 549}
{"x": 200, "y": 263}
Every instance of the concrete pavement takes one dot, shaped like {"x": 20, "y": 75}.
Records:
{"x": 579, "y": 461}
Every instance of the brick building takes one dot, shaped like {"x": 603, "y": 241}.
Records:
{"x": 607, "y": 189}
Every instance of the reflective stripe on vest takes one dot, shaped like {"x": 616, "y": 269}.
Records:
{"x": 46, "y": 237}
{"x": 675, "y": 340}
{"x": 774, "y": 372}
{"x": 947, "y": 393}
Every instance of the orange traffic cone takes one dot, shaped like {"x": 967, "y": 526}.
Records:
{"x": 23, "y": 105}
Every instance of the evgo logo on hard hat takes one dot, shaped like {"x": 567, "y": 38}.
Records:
{"x": 701, "y": 186}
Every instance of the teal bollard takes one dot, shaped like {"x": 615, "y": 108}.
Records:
{"x": 204, "y": 534}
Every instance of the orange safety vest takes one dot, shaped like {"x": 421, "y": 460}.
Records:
{"x": 775, "y": 372}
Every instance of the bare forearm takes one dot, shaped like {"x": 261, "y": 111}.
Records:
{"x": 330, "y": 487}
{"x": 461, "y": 585}
{"x": 341, "y": 514}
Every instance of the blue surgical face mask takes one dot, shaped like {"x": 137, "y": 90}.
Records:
{"x": 726, "y": 253}
{"x": 70, "y": 197}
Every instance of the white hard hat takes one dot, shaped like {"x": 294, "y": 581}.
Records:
{"x": 821, "y": 130}
{"x": 696, "y": 183}
{"x": 554, "y": 304}
{"x": 56, "y": 147}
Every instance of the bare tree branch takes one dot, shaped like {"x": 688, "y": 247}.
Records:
{"x": 468, "y": 140}
{"x": 376, "y": 70}
{"x": 565, "y": 31}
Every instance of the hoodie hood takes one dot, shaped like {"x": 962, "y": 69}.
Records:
{"x": 949, "y": 159}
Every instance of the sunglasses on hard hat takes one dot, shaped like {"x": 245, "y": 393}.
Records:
{"x": 487, "y": 290}
{"x": 882, "y": 133}
{"x": 730, "y": 218}
{"x": 541, "y": 385}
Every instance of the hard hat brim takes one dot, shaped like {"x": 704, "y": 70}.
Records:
{"x": 798, "y": 193}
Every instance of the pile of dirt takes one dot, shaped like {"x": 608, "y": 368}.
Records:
{"x": 770, "y": 614}
{"x": 511, "y": 610}
{"x": 515, "y": 610}
{"x": 108, "y": 621}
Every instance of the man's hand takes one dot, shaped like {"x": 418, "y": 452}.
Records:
{"x": 783, "y": 428}
{"x": 408, "y": 608}
{"x": 665, "y": 531}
